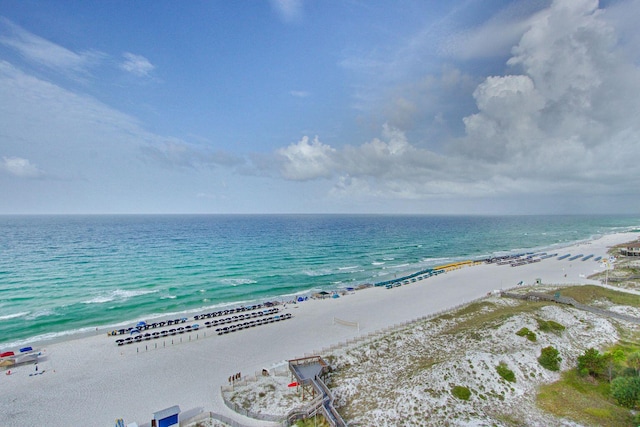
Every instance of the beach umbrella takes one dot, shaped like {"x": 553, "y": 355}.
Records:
{"x": 134, "y": 331}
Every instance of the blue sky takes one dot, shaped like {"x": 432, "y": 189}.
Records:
{"x": 294, "y": 106}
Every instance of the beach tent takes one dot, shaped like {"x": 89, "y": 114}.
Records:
{"x": 323, "y": 294}
{"x": 134, "y": 331}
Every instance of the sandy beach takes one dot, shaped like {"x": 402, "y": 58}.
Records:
{"x": 91, "y": 381}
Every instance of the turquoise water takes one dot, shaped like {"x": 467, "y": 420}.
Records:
{"x": 67, "y": 274}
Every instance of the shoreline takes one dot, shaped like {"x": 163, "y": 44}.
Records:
{"x": 50, "y": 338}
{"x": 90, "y": 380}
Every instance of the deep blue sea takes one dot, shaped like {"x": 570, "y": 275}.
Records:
{"x": 64, "y": 275}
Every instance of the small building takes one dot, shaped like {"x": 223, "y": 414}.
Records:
{"x": 166, "y": 418}
{"x": 631, "y": 249}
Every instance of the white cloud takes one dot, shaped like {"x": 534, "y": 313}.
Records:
{"x": 304, "y": 161}
{"x": 299, "y": 93}
{"x": 575, "y": 100}
{"x": 137, "y": 65}
{"x": 289, "y": 10}
{"x": 43, "y": 52}
{"x": 174, "y": 152}
{"x": 21, "y": 168}
{"x": 506, "y": 124}
{"x": 565, "y": 121}
{"x": 89, "y": 150}
{"x": 495, "y": 37}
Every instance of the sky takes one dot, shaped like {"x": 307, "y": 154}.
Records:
{"x": 332, "y": 106}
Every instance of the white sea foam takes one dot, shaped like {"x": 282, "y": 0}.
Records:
{"x": 48, "y": 337}
{"x": 237, "y": 282}
{"x": 437, "y": 261}
{"x": 40, "y": 313}
{"x": 14, "y": 315}
{"x": 117, "y": 294}
{"x": 317, "y": 273}
{"x": 401, "y": 265}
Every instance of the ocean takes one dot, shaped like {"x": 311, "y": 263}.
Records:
{"x": 66, "y": 275}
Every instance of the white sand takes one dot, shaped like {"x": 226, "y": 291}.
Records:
{"x": 90, "y": 381}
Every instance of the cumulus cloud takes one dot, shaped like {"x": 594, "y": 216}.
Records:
{"x": 563, "y": 120}
{"x": 505, "y": 124}
{"x": 137, "y": 65}
{"x": 304, "y": 161}
{"x": 21, "y": 168}
{"x": 574, "y": 102}
{"x": 388, "y": 166}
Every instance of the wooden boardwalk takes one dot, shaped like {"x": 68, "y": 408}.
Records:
{"x": 309, "y": 373}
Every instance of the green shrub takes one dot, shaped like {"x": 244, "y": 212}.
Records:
{"x": 505, "y": 372}
{"x": 550, "y": 358}
{"x": 525, "y": 332}
{"x": 633, "y": 361}
{"x": 591, "y": 362}
{"x": 550, "y": 326}
{"x": 461, "y": 392}
{"x": 626, "y": 391}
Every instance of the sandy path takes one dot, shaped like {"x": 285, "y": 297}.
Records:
{"x": 90, "y": 381}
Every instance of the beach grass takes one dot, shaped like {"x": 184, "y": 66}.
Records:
{"x": 317, "y": 421}
{"x": 589, "y": 294}
{"x": 584, "y": 401}
{"x": 486, "y": 315}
